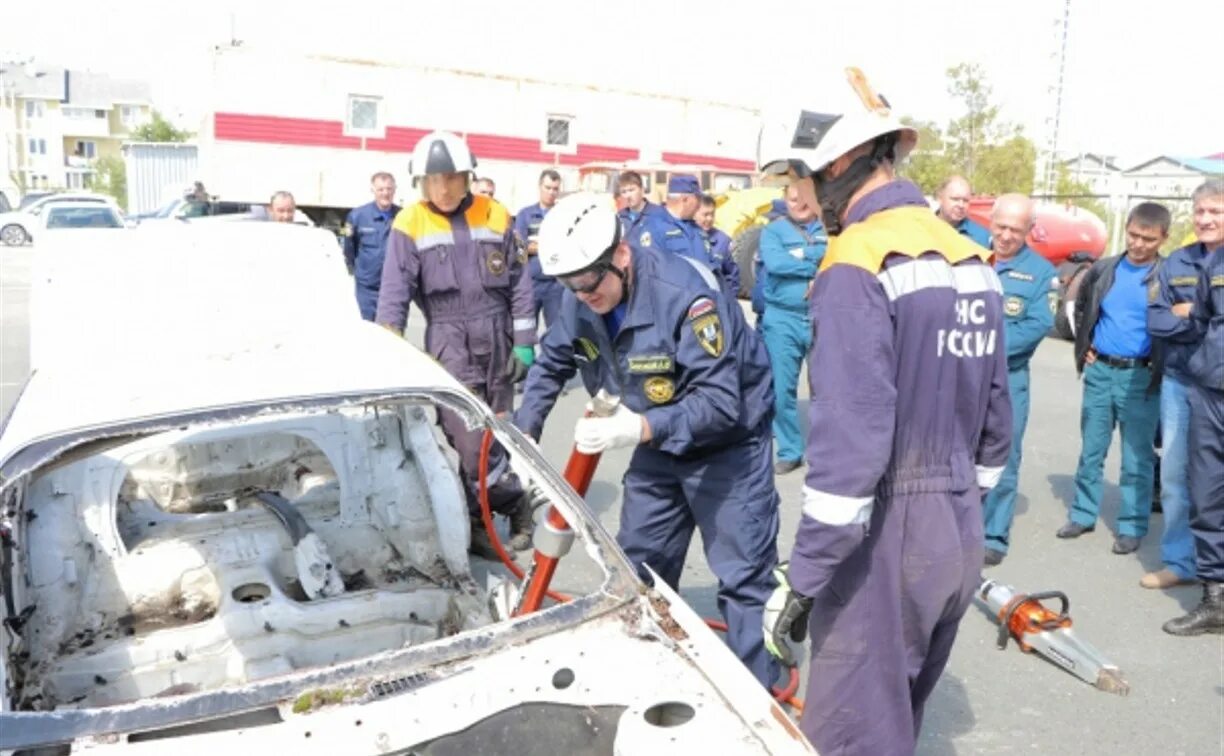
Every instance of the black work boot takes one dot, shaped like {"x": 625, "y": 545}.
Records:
{"x": 1207, "y": 617}
{"x": 521, "y": 524}
{"x": 481, "y": 546}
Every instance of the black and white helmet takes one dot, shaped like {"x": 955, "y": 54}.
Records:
{"x": 440, "y": 152}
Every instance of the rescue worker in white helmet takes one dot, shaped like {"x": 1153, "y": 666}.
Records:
{"x": 452, "y": 254}
{"x": 910, "y": 424}
{"x": 695, "y": 405}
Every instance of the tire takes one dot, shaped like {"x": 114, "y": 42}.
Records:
{"x": 13, "y": 235}
{"x": 744, "y": 249}
{"x": 1070, "y": 276}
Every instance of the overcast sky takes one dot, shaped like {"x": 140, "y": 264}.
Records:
{"x": 1141, "y": 78}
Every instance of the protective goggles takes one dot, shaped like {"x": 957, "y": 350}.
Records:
{"x": 587, "y": 281}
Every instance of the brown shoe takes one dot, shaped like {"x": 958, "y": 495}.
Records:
{"x": 1161, "y": 579}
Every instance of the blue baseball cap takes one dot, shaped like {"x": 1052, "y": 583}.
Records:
{"x": 683, "y": 184}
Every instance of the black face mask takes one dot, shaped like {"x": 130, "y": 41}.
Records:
{"x": 835, "y": 193}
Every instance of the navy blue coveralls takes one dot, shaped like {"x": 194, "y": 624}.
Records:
{"x": 685, "y": 359}
{"x": 544, "y": 288}
{"x": 1205, "y": 471}
{"x": 910, "y": 423}
{"x": 365, "y": 246}
{"x": 662, "y": 230}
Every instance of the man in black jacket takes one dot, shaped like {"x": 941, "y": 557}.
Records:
{"x": 1121, "y": 372}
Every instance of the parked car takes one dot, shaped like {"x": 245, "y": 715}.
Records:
{"x": 231, "y": 525}
{"x": 185, "y": 208}
{"x": 79, "y": 215}
{"x": 16, "y": 227}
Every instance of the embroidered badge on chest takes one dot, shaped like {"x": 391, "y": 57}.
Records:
{"x": 496, "y": 262}
{"x": 650, "y": 363}
{"x": 644, "y": 239}
{"x": 1153, "y": 291}
{"x": 1013, "y": 306}
{"x": 659, "y": 389}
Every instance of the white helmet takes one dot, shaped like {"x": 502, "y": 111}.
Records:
{"x": 440, "y": 152}
{"x": 578, "y": 231}
{"x": 845, "y": 113}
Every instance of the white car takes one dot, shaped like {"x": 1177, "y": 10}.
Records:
{"x": 17, "y": 227}
{"x": 231, "y": 525}
{"x": 59, "y": 216}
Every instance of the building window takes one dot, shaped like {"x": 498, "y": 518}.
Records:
{"x": 34, "y": 109}
{"x": 87, "y": 150}
{"x": 364, "y": 116}
{"x": 129, "y": 115}
{"x": 38, "y": 146}
{"x": 558, "y": 134}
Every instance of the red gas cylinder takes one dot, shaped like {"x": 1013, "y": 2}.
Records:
{"x": 1058, "y": 231}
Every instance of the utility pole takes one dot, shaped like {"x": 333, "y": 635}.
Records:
{"x": 1051, "y": 167}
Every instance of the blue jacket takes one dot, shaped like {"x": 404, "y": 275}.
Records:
{"x": 1206, "y": 362}
{"x": 1176, "y": 283}
{"x": 662, "y": 230}
{"x": 526, "y": 229}
{"x": 1029, "y": 301}
{"x": 631, "y": 221}
{"x": 718, "y": 247}
{"x": 790, "y": 256}
{"x": 684, "y": 357}
{"x": 365, "y": 241}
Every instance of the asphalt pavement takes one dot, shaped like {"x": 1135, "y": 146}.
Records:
{"x": 988, "y": 701}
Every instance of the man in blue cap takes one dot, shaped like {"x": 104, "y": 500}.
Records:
{"x": 674, "y": 230}
{"x": 365, "y": 241}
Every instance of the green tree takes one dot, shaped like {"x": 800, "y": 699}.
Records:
{"x": 1179, "y": 231}
{"x": 1005, "y": 167}
{"x": 969, "y": 134}
{"x": 929, "y": 164}
{"x": 158, "y": 129}
{"x": 110, "y": 177}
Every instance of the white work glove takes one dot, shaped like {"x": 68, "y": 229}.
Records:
{"x": 598, "y": 434}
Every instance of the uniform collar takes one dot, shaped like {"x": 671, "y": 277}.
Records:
{"x": 896, "y": 193}
{"x": 1015, "y": 259}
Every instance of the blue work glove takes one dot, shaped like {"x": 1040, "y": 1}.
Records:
{"x": 520, "y": 361}
{"x": 785, "y": 619}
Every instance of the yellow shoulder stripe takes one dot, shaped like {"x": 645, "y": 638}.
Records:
{"x": 418, "y": 221}
{"x": 489, "y": 214}
{"x": 910, "y": 231}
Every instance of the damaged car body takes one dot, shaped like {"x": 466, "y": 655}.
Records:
{"x": 245, "y": 538}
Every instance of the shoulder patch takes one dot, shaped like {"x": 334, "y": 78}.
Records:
{"x": 709, "y": 331}
{"x": 699, "y": 307}
{"x": 585, "y": 349}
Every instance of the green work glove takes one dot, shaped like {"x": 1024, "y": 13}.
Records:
{"x": 785, "y": 618}
{"x": 519, "y": 362}
{"x": 525, "y": 354}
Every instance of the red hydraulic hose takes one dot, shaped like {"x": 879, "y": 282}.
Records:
{"x": 579, "y": 471}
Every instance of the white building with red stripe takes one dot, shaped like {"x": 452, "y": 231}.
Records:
{"x": 319, "y": 126}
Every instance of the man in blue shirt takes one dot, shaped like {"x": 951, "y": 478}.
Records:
{"x": 953, "y": 195}
{"x": 1028, "y": 310}
{"x": 365, "y": 241}
{"x": 672, "y": 229}
{"x": 1113, "y": 352}
{"x": 1173, "y": 328}
{"x": 718, "y": 247}
{"x": 791, "y": 250}
{"x": 544, "y": 288}
{"x": 1205, "y": 468}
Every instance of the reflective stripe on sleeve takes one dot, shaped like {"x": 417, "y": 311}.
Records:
{"x": 832, "y": 509}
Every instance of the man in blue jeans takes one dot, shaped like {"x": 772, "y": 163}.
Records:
{"x": 1121, "y": 371}
{"x": 1171, "y": 325}
{"x": 1028, "y": 314}
{"x": 791, "y": 250}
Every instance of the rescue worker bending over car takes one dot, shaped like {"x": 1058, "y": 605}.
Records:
{"x": 695, "y": 404}
{"x": 452, "y": 254}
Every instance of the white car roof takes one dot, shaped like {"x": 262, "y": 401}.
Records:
{"x": 171, "y": 319}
